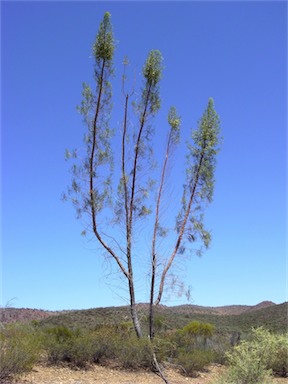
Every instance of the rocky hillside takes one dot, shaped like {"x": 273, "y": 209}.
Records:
{"x": 11, "y": 315}
{"x": 224, "y": 310}
{"x": 226, "y": 318}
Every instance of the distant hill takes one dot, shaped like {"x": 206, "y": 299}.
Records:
{"x": 226, "y": 318}
{"x": 12, "y": 315}
{"x": 224, "y": 310}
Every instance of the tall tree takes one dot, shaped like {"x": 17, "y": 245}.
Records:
{"x": 98, "y": 190}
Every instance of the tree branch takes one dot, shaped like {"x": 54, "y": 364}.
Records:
{"x": 181, "y": 232}
{"x": 91, "y": 178}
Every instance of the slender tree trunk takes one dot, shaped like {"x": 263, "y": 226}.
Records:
{"x": 92, "y": 176}
{"x": 133, "y": 310}
{"x": 154, "y": 257}
{"x": 129, "y": 214}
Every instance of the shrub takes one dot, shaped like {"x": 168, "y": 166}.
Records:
{"x": 194, "y": 361}
{"x": 220, "y": 345}
{"x": 60, "y": 333}
{"x": 134, "y": 353}
{"x": 194, "y": 334}
{"x": 246, "y": 365}
{"x": 278, "y": 362}
{"x": 79, "y": 348}
{"x": 103, "y": 344}
{"x": 252, "y": 361}
{"x": 19, "y": 350}
{"x": 66, "y": 345}
{"x": 164, "y": 347}
{"x": 56, "y": 343}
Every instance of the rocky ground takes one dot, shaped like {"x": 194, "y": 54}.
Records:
{"x": 104, "y": 375}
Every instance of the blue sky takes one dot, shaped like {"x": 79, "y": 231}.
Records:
{"x": 232, "y": 51}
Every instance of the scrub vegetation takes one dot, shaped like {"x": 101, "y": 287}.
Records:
{"x": 255, "y": 358}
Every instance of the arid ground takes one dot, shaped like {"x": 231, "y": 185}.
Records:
{"x": 104, "y": 375}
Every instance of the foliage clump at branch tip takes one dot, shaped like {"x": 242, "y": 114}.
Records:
{"x": 103, "y": 48}
{"x": 200, "y": 179}
{"x": 152, "y": 72}
{"x": 174, "y": 120}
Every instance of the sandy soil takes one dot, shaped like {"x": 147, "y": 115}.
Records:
{"x": 104, "y": 375}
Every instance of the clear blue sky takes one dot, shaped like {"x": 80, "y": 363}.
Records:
{"x": 235, "y": 52}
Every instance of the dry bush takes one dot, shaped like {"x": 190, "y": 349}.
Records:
{"x": 19, "y": 350}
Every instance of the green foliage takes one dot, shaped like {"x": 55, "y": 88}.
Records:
{"x": 174, "y": 121}
{"x": 81, "y": 348}
{"x": 95, "y": 108}
{"x": 195, "y": 333}
{"x": 164, "y": 347}
{"x": 195, "y": 328}
{"x": 121, "y": 344}
{"x": 159, "y": 323}
{"x": 61, "y": 334}
{"x": 134, "y": 353}
{"x": 194, "y": 361}
{"x": 252, "y": 361}
{"x": 151, "y": 102}
{"x": 206, "y": 146}
{"x": 220, "y": 344}
{"x": 152, "y": 70}
{"x": 20, "y": 347}
{"x": 279, "y": 360}
{"x": 103, "y": 48}
{"x": 190, "y": 350}
{"x": 147, "y": 106}
{"x": 201, "y": 162}
{"x": 65, "y": 345}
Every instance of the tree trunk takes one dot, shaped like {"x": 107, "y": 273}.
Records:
{"x": 133, "y": 310}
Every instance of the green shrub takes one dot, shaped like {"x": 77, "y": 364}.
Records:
{"x": 194, "y": 334}
{"x": 66, "y": 345}
{"x": 104, "y": 343}
{"x": 164, "y": 347}
{"x": 19, "y": 350}
{"x": 246, "y": 366}
{"x": 220, "y": 345}
{"x": 134, "y": 353}
{"x": 56, "y": 342}
{"x": 194, "y": 361}
{"x": 273, "y": 350}
{"x": 60, "y": 333}
{"x": 79, "y": 348}
{"x": 278, "y": 362}
{"x": 252, "y": 361}
{"x": 120, "y": 343}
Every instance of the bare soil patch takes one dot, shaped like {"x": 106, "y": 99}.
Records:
{"x": 104, "y": 375}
